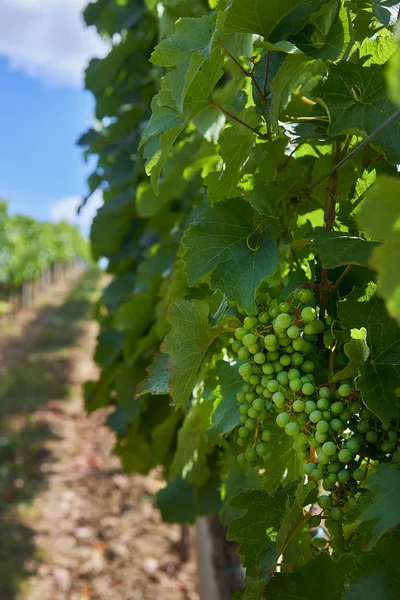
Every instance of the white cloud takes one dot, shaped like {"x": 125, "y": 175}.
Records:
{"x": 65, "y": 209}
{"x": 48, "y": 39}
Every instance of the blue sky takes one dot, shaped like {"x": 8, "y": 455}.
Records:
{"x": 44, "y": 48}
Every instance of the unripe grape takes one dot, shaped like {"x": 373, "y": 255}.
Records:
{"x": 310, "y": 407}
{"x": 243, "y": 432}
{"x": 259, "y": 358}
{"x": 344, "y": 456}
{"x": 316, "y": 474}
{"x": 261, "y": 449}
{"x": 242, "y": 418}
{"x": 241, "y": 396}
{"x": 344, "y": 476}
{"x": 371, "y": 436}
{"x": 293, "y": 374}
{"x": 283, "y": 321}
{"x": 258, "y": 404}
{"x": 295, "y": 385}
{"x": 355, "y": 407}
{"x": 345, "y": 390}
{"x": 267, "y": 368}
{"x": 363, "y": 426}
{"x": 282, "y": 419}
{"x": 260, "y": 389}
{"x": 325, "y": 502}
{"x": 243, "y": 408}
{"x": 308, "y": 314}
{"x": 392, "y": 436}
{"x": 336, "y": 513}
{"x": 285, "y": 360}
{"x": 297, "y": 359}
{"x": 253, "y": 413}
{"x": 254, "y": 379}
{"x": 345, "y": 416}
{"x": 282, "y": 378}
{"x": 292, "y": 429}
{"x": 266, "y": 435}
{"x": 327, "y": 415}
{"x": 250, "y": 323}
{"x": 251, "y": 454}
{"x": 334, "y": 467}
{"x": 309, "y": 468}
{"x": 336, "y": 425}
{"x": 264, "y": 318}
{"x": 321, "y": 437}
{"x": 274, "y": 291}
{"x": 273, "y": 385}
{"x": 284, "y": 342}
{"x": 387, "y": 447}
{"x": 274, "y": 311}
{"x": 250, "y": 424}
{"x": 352, "y": 503}
{"x": 302, "y": 418}
{"x": 324, "y": 392}
{"x": 299, "y": 344}
{"x": 329, "y": 448}
{"x": 278, "y": 399}
{"x": 250, "y": 396}
{"x": 245, "y": 370}
{"x": 353, "y": 445}
{"x": 298, "y": 406}
{"x": 315, "y": 521}
{"x": 272, "y": 355}
{"x": 337, "y": 408}
{"x": 293, "y": 332}
{"x": 365, "y": 414}
{"x": 322, "y": 404}
{"x": 249, "y": 340}
{"x": 303, "y": 295}
{"x": 323, "y": 426}
{"x": 358, "y": 474}
{"x": 240, "y": 332}
{"x": 241, "y": 458}
{"x": 308, "y": 389}
{"x": 315, "y": 416}
{"x": 285, "y": 307}
{"x": 254, "y": 349}
{"x": 242, "y": 441}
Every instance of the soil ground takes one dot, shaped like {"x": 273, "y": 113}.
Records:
{"x": 72, "y": 525}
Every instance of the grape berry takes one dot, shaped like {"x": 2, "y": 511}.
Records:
{"x": 333, "y": 433}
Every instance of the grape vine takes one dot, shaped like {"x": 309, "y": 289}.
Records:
{"x": 250, "y": 341}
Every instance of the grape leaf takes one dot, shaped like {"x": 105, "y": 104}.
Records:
{"x": 283, "y": 466}
{"x": 297, "y": 71}
{"x": 258, "y": 16}
{"x": 226, "y": 415}
{"x": 190, "y": 460}
{"x": 393, "y": 78}
{"x": 186, "y": 51}
{"x": 357, "y": 352}
{"x": 306, "y": 584}
{"x": 236, "y": 143}
{"x": 379, "y": 217}
{"x": 378, "y": 573}
{"x": 384, "y": 510}
{"x": 236, "y": 478}
{"x": 158, "y": 379}
{"x": 264, "y": 530}
{"x": 187, "y": 344}
{"x": 226, "y": 240}
{"x": 379, "y": 377}
{"x": 178, "y": 502}
{"x": 356, "y": 100}
{"x": 338, "y": 249}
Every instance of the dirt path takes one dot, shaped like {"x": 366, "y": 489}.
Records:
{"x": 79, "y": 528}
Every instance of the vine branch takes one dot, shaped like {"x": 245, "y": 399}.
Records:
{"x": 362, "y": 144}
{"x": 245, "y": 72}
{"x": 262, "y": 136}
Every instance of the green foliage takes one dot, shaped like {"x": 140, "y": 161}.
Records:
{"x": 243, "y": 150}
{"x": 27, "y": 247}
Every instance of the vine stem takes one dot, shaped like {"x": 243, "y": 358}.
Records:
{"x": 244, "y": 71}
{"x": 367, "y": 140}
{"x": 340, "y": 279}
{"x": 262, "y": 136}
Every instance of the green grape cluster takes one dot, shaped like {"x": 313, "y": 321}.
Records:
{"x": 333, "y": 433}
